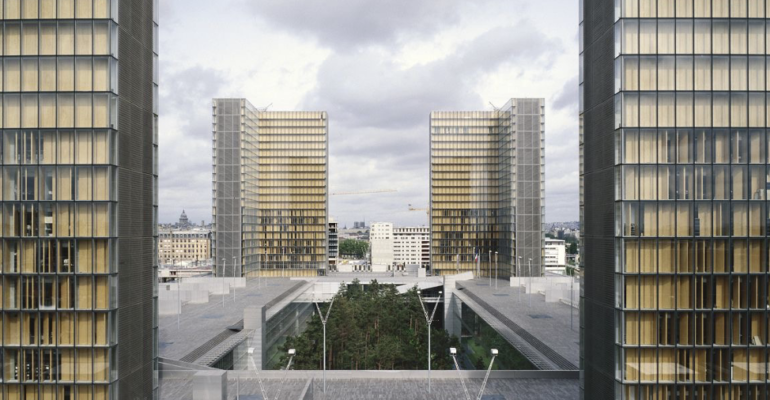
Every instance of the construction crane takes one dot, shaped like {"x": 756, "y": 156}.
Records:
{"x": 364, "y": 192}
{"x": 427, "y": 210}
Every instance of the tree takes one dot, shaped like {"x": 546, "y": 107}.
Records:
{"x": 352, "y": 247}
{"x": 573, "y": 248}
{"x": 371, "y": 327}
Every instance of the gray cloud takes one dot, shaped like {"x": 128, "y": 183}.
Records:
{"x": 185, "y": 156}
{"x": 379, "y": 114}
{"x": 346, "y": 25}
{"x": 568, "y": 98}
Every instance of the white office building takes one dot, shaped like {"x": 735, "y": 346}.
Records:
{"x": 411, "y": 246}
{"x": 381, "y": 243}
{"x": 555, "y": 256}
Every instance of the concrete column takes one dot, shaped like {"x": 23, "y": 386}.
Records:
{"x": 210, "y": 385}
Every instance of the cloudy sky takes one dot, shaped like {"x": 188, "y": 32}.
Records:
{"x": 378, "y": 67}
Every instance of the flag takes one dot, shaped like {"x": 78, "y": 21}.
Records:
{"x": 476, "y": 255}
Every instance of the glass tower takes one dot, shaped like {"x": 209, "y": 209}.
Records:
{"x": 270, "y": 190}
{"x": 487, "y": 195}
{"x": 79, "y": 204}
{"x": 676, "y": 254}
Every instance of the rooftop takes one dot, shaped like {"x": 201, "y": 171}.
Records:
{"x": 356, "y": 385}
{"x": 204, "y": 325}
{"x": 552, "y": 324}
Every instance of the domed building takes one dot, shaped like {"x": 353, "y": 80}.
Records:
{"x": 183, "y": 221}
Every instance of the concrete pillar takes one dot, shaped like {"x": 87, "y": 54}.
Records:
{"x": 210, "y": 385}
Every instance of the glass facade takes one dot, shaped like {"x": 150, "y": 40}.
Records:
{"x": 271, "y": 210}
{"x": 691, "y": 185}
{"x": 59, "y": 199}
{"x": 488, "y": 188}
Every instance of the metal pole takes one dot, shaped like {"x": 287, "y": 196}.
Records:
{"x": 324, "y": 319}
{"x": 489, "y": 270}
{"x": 518, "y": 278}
{"x": 496, "y": 257}
{"x": 457, "y": 368}
{"x": 486, "y": 377}
{"x": 234, "y": 275}
{"x": 429, "y": 321}
{"x": 530, "y": 282}
{"x": 324, "y": 359}
{"x": 224, "y": 261}
{"x": 571, "y": 298}
{"x": 458, "y": 262}
{"x": 283, "y": 271}
{"x": 179, "y": 302}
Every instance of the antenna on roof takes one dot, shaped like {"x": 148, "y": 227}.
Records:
{"x": 494, "y": 106}
{"x": 264, "y": 109}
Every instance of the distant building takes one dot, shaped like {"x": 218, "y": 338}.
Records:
{"x": 334, "y": 244}
{"x": 270, "y": 180}
{"x": 359, "y": 225}
{"x": 411, "y": 246}
{"x": 555, "y": 257}
{"x": 487, "y": 187}
{"x": 184, "y": 246}
{"x": 183, "y": 221}
{"x": 381, "y": 243}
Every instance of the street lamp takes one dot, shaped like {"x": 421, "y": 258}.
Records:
{"x": 530, "y": 282}
{"x": 453, "y": 353}
{"x": 291, "y": 353}
{"x": 493, "y": 353}
{"x": 429, "y": 321}
{"x": 234, "y": 262}
{"x": 518, "y": 278}
{"x": 489, "y": 270}
{"x": 224, "y": 265}
{"x": 256, "y": 371}
{"x": 323, "y": 321}
{"x": 496, "y": 257}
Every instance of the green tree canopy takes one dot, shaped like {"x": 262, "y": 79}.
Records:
{"x": 353, "y": 247}
{"x": 372, "y": 327}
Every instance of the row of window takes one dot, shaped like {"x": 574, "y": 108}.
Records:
{"x": 688, "y": 109}
{"x": 82, "y": 292}
{"x": 64, "y": 38}
{"x": 83, "y": 256}
{"x": 63, "y": 147}
{"x": 63, "y": 111}
{"x": 708, "y": 391}
{"x": 58, "y": 184}
{"x": 685, "y": 182}
{"x": 57, "y": 365}
{"x": 701, "y": 256}
{"x": 59, "y": 220}
{"x": 691, "y": 8}
{"x": 736, "y": 293}
{"x": 63, "y": 74}
{"x": 61, "y": 9}
{"x": 690, "y": 37}
{"x": 300, "y": 159}
{"x": 684, "y": 146}
{"x": 686, "y": 73}
{"x": 695, "y": 365}
{"x": 700, "y": 219}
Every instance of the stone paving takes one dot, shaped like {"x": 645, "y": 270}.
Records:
{"x": 365, "y": 389}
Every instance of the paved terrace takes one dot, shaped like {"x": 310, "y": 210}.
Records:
{"x": 544, "y": 326}
{"x": 205, "y": 326}
{"x": 400, "y": 385}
